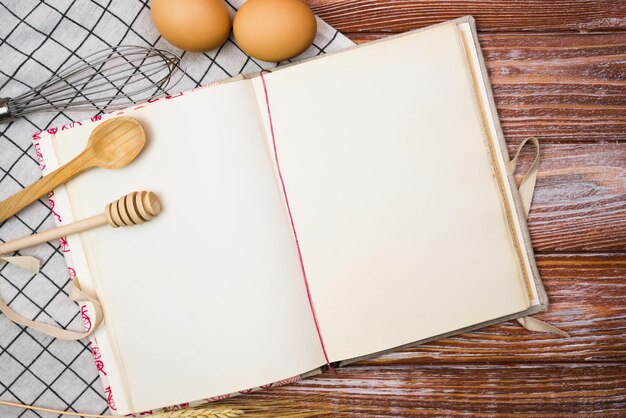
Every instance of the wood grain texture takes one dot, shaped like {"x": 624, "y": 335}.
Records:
{"x": 587, "y": 299}
{"x": 492, "y": 15}
{"x": 502, "y": 369}
{"x": 558, "y": 87}
{"x": 580, "y": 198}
{"x": 545, "y": 390}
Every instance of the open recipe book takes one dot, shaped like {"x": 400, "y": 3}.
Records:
{"x": 409, "y": 226}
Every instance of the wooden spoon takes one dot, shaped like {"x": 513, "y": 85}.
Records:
{"x": 113, "y": 144}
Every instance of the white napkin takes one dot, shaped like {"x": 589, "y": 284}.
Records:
{"x": 36, "y": 39}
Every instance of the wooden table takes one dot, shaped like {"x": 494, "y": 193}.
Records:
{"x": 558, "y": 69}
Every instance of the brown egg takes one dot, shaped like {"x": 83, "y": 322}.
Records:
{"x": 192, "y": 25}
{"x": 274, "y": 30}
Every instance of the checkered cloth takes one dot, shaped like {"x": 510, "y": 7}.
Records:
{"x": 36, "y": 39}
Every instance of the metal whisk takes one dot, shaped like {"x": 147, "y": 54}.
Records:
{"x": 111, "y": 78}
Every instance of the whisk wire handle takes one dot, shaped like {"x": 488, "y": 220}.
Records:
{"x": 5, "y": 110}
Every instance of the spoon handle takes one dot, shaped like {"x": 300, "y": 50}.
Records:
{"x": 44, "y": 185}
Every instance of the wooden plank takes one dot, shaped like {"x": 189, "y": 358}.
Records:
{"x": 558, "y": 87}
{"x": 502, "y": 369}
{"x": 494, "y": 15}
{"x": 545, "y": 390}
{"x": 587, "y": 294}
{"x": 580, "y": 199}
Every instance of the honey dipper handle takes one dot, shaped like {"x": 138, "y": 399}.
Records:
{"x": 52, "y": 234}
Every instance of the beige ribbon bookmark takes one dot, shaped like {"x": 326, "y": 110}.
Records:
{"x": 534, "y": 324}
{"x": 526, "y": 191}
{"x": 76, "y": 294}
{"x": 527, "y": 186}
{"x": 24, "y": 262}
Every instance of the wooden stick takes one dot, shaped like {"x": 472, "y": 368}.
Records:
{"x": 51, "y": 411}
{"x": 132, "y": 209}
{"x": 55, "y": 233}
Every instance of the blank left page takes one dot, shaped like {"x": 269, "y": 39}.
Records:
{"x": 205, "y": 299}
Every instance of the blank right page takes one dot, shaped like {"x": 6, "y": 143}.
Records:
{"x": 394, "y": 198}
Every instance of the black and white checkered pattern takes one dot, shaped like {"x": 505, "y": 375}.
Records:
{"x": 36, "y": 39}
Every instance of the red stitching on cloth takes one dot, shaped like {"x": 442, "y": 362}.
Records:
{"x": 293, "y": 226}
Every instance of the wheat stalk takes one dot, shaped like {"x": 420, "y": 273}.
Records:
{"x": 249, "y": 408}
{"x": 202, "y": 413}
{"x": 236, "y": 411}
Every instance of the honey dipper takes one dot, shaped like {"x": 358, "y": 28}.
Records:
{"x": 133, "y": 209}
